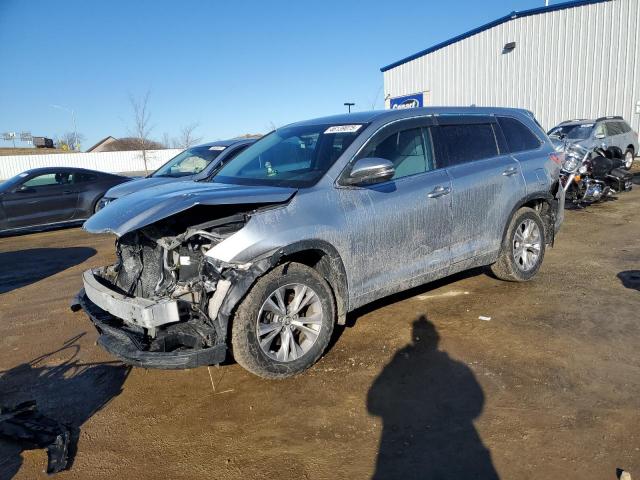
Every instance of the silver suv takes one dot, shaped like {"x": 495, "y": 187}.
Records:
{"x": 314, "y": 220}
{"x": 610, "y": 133}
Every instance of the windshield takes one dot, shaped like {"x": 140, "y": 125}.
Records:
{"x": 295, "y": 156}
{"x": 12, "y": 182}
{"x": 573, "y": 132}
{"x": 189, "y": 162}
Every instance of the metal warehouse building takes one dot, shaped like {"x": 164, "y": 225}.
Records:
{"x": 579, "y": 59}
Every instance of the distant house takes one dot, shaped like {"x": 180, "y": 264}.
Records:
{"x": 111, "y": 144}
{"x": 103, "y": 145}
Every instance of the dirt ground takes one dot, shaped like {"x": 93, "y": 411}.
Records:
{"x": 417, "y": 386}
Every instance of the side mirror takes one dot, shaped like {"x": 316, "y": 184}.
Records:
{"x": 370, "y": 170}
{"x": 25, "y": 189}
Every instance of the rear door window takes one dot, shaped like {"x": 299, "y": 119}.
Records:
{"x": 457, "y": 144}
{"x": 519, "y": 138}
{"x": 624, "y": 127}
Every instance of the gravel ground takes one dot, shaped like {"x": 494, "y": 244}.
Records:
{"x": 417, "y": 386}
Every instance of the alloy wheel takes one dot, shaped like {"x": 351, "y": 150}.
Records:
{"x": 628, "y": 160}
{"x": 527, "y": 244}
{"x": 289, "y": 322}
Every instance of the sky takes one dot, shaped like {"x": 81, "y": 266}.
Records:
{"x": 233, "y": 67}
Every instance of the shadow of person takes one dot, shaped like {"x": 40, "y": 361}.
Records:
{"x": 68, "y": 391}
{"x": 630, "y": 279}
{"x": 24, "y": 267}
{"x": 427, "y": 402}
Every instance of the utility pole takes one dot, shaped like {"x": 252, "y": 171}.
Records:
{"x": 73, "y": 121}
{"x": 349, "y": 105}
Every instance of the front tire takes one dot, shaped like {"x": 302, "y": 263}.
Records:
{"x": 522, "y": 248}
{"x": 628, "y": 158}
{"x": 285, "y": 322}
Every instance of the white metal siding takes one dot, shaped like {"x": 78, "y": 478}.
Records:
{"x": 111, "y": 162}
{"x": 580, "y": 62}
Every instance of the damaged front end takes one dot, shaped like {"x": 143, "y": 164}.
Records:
{"x": 165, "y": 303}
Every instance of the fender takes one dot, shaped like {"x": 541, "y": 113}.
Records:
{"x": 332, "y": 269}
{"x": 330, "y": 266}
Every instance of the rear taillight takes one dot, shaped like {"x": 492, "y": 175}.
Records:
{"x": 557, "y": 158}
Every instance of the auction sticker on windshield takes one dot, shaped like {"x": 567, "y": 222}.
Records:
{"x": 343, "y": 129}
{"x": 217, "y": 148}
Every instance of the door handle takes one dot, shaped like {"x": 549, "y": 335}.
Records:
{"x": 68, "y": 192}
{"x": 439, "y": 191}
{"x": 510, "y": 171}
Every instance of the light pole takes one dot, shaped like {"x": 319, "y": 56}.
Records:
{"x": 73, "y": 120}
{"x": 349, "y": 105}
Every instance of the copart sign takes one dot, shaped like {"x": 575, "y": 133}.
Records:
{"x": 407, "y": 101}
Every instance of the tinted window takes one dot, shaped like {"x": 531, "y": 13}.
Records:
{"x": 457, "y": 144}
{"x": 405, "y": 149}
{"x": 519, "y": 138}
{"x": 83, "y": 177}
{"x": 48, "y": 179}
{"x": 624, "y": 127}
{"x": 613, "y": 128}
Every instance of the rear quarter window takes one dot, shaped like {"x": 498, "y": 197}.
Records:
{"x": 519, "y": 138}
{"x": 84, "y": 177}
{"x": 457, "y": 144}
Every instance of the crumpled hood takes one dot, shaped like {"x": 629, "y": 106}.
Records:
{"x": 137, "y": 184}
{"x": 150, "y": 205}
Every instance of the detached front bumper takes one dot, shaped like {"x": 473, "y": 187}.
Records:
{"x": 118, "y": 334}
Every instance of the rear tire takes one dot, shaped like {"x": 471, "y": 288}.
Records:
{"x": 95, "y": 205}
{"x": 628, "y": 158}
{"x": 523, "y": 247}
{"x": 272, "y": 338}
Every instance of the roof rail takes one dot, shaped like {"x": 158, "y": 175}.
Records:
{"x": 574, "y": 120}
{"x": 610, "y": 117}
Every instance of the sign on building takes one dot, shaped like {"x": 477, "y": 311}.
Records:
{"x": 414, "y": 100}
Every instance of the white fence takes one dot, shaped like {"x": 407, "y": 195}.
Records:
{"x": 112, "y": 162}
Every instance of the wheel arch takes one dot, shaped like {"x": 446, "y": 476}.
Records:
{"x": 325, "y": 259}
{"x": 545, "y": 204}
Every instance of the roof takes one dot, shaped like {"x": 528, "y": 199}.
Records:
{"x": 345, "y": 118}
{"x": 512, "y": 16}
{"x": 227, "y": 143}
{"x": 104, "y": 140}
{"x": 583, "y": 121}
{"x": 66, "y": 169}
{"x": 384, "y": 116}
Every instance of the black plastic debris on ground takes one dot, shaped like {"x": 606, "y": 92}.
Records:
{"x": 25, "y": 425}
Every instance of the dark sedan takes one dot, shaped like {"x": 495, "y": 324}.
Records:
{"x": 52, "y": 197}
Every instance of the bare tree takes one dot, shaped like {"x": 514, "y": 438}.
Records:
{"x": 70, "y": 141}
{"x": 141, "y": 125}
{"x": 187, "y": 138}
{"x": 166, "y": 141}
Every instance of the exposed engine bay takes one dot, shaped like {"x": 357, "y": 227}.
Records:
{"x": 166, "y": 295}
